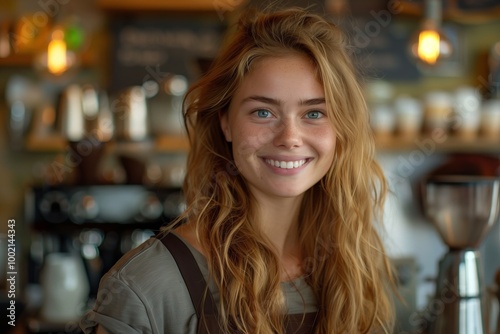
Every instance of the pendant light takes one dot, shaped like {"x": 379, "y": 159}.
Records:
{"x": 60, "y": 58}
{"x": 56, "y": 60}
{"x": 429, "y": 45}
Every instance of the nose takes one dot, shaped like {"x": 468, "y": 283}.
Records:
{"x": 288, "y": 134}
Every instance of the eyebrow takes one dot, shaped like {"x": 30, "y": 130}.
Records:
{"x": 269, "y": 100}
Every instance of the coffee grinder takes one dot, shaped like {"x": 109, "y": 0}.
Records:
{"x": 463, "y": 209}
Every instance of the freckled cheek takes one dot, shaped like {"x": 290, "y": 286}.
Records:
{"x": 248, "y": 139}
{"x": 325, "y": 142}
{"x": 246, "y": 143}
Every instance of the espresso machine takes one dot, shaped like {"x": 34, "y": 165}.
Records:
{"x": 463, "y": 209}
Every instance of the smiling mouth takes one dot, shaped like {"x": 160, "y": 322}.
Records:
{"x": 286, "y": 164}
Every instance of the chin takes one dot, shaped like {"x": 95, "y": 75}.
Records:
{"x": 287, "y": 193}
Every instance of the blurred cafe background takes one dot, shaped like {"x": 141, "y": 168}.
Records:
{"x": 92, "y": 146}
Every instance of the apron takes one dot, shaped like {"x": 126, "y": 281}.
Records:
{"x": 207, "y": 314}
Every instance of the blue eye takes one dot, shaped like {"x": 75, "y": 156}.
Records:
{"x": 263, "y": 113}
{"x": 314, "y": 114}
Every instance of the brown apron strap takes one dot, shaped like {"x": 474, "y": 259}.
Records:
{"x": 197, "y": 287}
{"x": 195, "y": 282}
{"x": 300, "y": 323}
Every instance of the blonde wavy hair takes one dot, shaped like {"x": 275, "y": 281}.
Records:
{"x": 345, "y": 262}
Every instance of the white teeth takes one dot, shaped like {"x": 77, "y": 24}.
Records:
{"x": 286, "y": 164}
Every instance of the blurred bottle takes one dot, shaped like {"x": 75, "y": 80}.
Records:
{"x": 70, "y": 113}
{"x": 131, "y": 115}
{"x": 490, "y": 119}
{"x": 5, "y": 49}
{"x": 166, "y": 106}
{"x": 494, "y": 66}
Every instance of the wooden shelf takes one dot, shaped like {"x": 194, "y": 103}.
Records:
{"x": 27, "y": 59}
{"x": 170, "y": 5}
{"x": 172, "y": 144}
{"x": 52, "y": 143}
{"x": 445, "y": 144}
{"x": 17, "y": 60}
{"x": 393, "y": 144}
{"x": 165, "y": 144}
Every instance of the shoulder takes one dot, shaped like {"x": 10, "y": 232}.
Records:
{"x": 151, "y": 255}
{"x": 143, "y": 290}
{"x": 187, "y": 233}
{"x": 147, "y": 268}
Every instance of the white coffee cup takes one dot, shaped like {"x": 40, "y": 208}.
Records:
{"x": 409, "y": 116}
{"x": 382, "y": 120}
{"x": 438, "y": 110}
{"x": 467, "y": 112}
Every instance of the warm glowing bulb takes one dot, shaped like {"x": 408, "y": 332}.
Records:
{"x": 428, "y": 46}
{"x": 431, "y": 45}
{"x": 56, "y": 54}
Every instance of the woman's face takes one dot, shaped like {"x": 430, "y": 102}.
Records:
{"x": 283, "y": 142}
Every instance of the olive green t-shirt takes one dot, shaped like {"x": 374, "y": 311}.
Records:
{"x": 144, "y": 292}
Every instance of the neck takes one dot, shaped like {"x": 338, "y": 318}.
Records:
{"x": 278, "y": 221}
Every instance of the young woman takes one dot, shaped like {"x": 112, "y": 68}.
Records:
{"x": 282, "y": 190}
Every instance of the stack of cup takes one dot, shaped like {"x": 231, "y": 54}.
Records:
{"x": 379, "y": 95}
{"x": 467, "y": 116}
{"x": 382, "y": 121}
{"x": 409, "y": 116}
{"x": 490, "y": 119}
{"x": 438, "y": 111}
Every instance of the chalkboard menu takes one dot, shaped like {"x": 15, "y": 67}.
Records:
{"x": 151, "y": 48}
{"x": 380, "y": 47}
{"x": 478, "y": 4}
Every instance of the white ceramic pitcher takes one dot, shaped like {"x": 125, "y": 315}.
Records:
{"x": 65, "y": 287}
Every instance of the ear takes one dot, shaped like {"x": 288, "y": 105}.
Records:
{"x": 224, "y": 124}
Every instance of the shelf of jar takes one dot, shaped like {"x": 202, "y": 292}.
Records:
{"x": 176, "y": 143}
{"x": 163, "y": 143}
{"x": 46, "y": 143}
{"x": 387, "y": 143}
{"x": 85, "y": 60}
{"x": 445, "y": 143}
{"x": 171, "y": 5}
{"x": 93, "y": 55}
